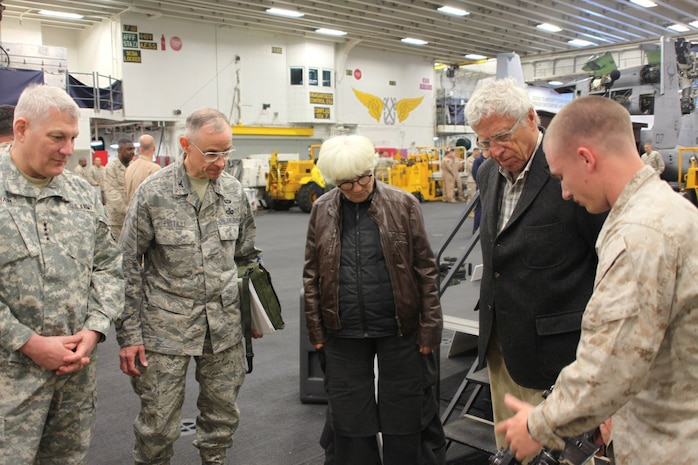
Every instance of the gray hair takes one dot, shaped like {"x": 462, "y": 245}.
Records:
{"x": 204, "y": 116}
{"x": 343, "y": 158}
{"x": 36, "y": 100}
{"x": 502, "y": 97}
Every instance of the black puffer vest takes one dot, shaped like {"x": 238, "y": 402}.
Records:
{"x": 366, "y": 302}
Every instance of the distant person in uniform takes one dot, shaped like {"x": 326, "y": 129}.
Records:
{"x": 114, "y": 185}
{"x": 452, "y": 182}
{"x": 6, "y": 119}
{"x": 95, "y": 176}
{"x": 637, "y": 360}
{"x": 80, "y": 169}
{"x": 653, "y": 159}
{"x": 141, "y": 166}
{"x": 188, "y": 227}
{"x": 470, "y": 185}
{"x": 61, "y": 284}
{"x": 95, "y": 173}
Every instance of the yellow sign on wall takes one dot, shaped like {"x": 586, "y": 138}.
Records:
{"x": 321, "y": 98}
{"x": 132, "y": 56}
{"x": 321, "y": 113}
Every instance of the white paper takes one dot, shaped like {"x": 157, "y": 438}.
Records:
{"x": 260, "y": 320}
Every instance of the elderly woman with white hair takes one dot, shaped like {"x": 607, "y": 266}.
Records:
{"x": 371, "y": 291}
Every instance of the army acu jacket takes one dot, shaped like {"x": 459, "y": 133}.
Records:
{"x": 60, "y": 269}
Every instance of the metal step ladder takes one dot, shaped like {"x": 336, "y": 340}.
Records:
{"x": 469, "y": 429}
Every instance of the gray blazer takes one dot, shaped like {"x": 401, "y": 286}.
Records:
{"x": 538, "y": 274}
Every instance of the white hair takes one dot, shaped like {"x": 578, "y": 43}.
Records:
{"x": 343, "y": 158}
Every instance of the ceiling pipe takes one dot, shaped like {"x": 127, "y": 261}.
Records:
{"x": 152, "y": 14}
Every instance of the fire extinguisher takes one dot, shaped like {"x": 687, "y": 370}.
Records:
{"x": 162, "y": 42}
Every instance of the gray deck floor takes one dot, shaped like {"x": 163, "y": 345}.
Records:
{"x": 276, "y": 428}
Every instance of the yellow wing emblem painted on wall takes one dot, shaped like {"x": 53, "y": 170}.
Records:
{"x": 373, "y": 103}
{"x": 405, "y": 106}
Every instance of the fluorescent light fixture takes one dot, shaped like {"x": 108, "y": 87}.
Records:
{"x": 60, "y": 14}
{"x": 580, "y": 43}
{"x": 693, "y": 24}
{"x": 678, "y": 28}
{"x": 555, "y": 83}
{"x": 283, "y": 12}
{"x": 411, "y": 41}
{"x": 644, "y": 3}
{"x": 549, "y": 27}
{"x": 449, "y": 10}
{"x": 475, "y": 56}
{"x": 330, "y": 32}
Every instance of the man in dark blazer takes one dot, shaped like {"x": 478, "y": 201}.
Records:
{"x": 537, "y": 250}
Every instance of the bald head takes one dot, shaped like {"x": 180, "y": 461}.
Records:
{"x": 147, "y": 146}
{"x": 590, "y": 148}
{"x": 594, "y": 122}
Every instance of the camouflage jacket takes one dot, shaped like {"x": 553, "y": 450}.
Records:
{"x": 637, "y": 358}
{"x": 95, "y": 175}
{"x": 60, "y": 270}
{"x": 180, "y": 256}
{"x": 115, "y": 191}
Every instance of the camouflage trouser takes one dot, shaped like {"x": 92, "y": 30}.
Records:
{"x": 45, "y": 418}
{"x": 161, "y": 390}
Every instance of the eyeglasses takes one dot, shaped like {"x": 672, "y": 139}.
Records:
{"x": 486, "y": 144}
{"x": 362, "y": 180}
{"x": 210, "y": 157}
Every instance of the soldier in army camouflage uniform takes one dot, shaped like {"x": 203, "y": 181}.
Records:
{"x": 637, "y": 360}
{"x": 61, "y": 286}
{"x": 187, "y": 228}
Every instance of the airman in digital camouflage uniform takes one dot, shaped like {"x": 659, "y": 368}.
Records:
{"x": 637, "y": 360}
{"x": 61, "y": 286}
{"x": 187, "y": 228}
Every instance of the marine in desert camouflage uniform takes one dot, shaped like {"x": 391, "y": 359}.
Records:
{"x": 61, "y": 286}
{"x": 114, "y": 187}
{"x": 637, "y": 360}
{"x": 189, "y": 225}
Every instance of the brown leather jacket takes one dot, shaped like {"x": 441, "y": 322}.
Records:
{"x": 408, "y": 257}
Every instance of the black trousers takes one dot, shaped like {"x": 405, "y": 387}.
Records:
{"x": 405, "y": 409}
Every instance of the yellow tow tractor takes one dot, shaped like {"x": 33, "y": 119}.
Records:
{"x": 418, "y": 174}
{"x": 688, "y": 183}
{"x": 291, "y": 182}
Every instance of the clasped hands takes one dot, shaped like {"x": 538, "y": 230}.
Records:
{"x": 62, "y": 354}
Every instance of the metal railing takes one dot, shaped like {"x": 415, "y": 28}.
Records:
{"x": 444, "y": 283}
{"x": 91, "y": 94}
